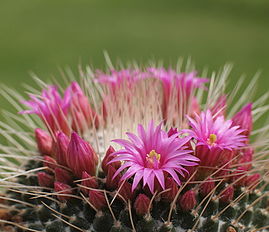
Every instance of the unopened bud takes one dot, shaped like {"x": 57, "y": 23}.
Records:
{"x": 62, "y": 190}
{"x": 142, "y": 204}
{"x": 97, "y": 199}
{"x": 89, "y": 182}
{"x": 252, "y": 180}
{"x": 188, "y": 200}
{"x": 244, "y": 119}
{"x": 112, "y": 183}
{"x": 206, "y": 187}
{"x": 63, "y": 176}
{"x": 61, "y": 148}
{"x": 81, "y": 156}
{"x": 45, "y": 180}
{"x": 44, "y": 141}
{"x": 108, "y": 157}
{"x": 125, "y": 190}
{"x": 227, "y": 195}
{"x": 171, "y": 194}
{"x": 49, "y": 162}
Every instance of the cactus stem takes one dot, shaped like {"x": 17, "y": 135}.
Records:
{"x": 68, "y": 223}
{"x": 109, "y": 207}
{"x": 251, "y": 205}
{"x": 198, "y": 218}
{"x": 18, "y": 201}
{"x": 55, "y": 211}
{"x": 118, "y": 194}
{"x": 131, "y": 217}
{"x": 88, "y": 202}
{"x": 18, "y": 225}
{"x": 176, "y": 197}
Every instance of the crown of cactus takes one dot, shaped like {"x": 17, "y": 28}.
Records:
{"x": 144, "y": 150}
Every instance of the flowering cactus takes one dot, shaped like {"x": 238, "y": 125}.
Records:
{"x": 135, "y": 150}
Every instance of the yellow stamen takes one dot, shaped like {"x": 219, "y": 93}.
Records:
{"x": 153, "y": 153}
{"x": 212, "y": 139}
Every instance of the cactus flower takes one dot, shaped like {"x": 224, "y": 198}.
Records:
{"x": 152, "y": 154}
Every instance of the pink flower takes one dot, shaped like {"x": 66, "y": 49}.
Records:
{"x": 244, "y": 119}
{"x": 51, "y": 108}
{"x": 179, "y": 85}
{"x": 81, "y": 156}
{"x": 82, "y": 113}
{"x": 151, "y": 155}
{"x": 216, "y": 139}
{"x": 62, "y": 142}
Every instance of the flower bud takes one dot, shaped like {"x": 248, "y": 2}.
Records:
{"x": 244, "y": 119}
{"x": 88, "y": 181}
{"x": 108, "y": 157}
{"x": 61, "y": 148}
{"x": 206, "y": 187}
{"x": 126, "y": 190}
{"x": 112, "y": 183}
{"x": 83, "y": 115}
{"x": 62, "y": 189}
{"x": 227, "y": 195}
{"x": 45, "y": 180}
{"x": 252, "y": 180}
{"x": 44, "y": 142}
{"x": 141, "y": 204}
{"x": 97, "y": 199}
{"x": 188, "y": 200}
{"x": 171, "y": 194}
{"x": 49, "y": 162}
{"x": 63, "y": 176}
{"x": 81, "y": 156}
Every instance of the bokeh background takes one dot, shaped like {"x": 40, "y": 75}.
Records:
{"x": 42, "y": 36}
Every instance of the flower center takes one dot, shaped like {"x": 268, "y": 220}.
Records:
{"x": 153, "y": 159}
{"x": 212, "y": 139}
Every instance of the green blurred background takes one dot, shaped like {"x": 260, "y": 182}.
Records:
{"x": 42, "y": 35}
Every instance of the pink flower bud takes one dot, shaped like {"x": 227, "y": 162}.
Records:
{"x": 83, "y": 115}
{"x": 97, "y": 199}
{"x": 246, "y": 158}
{"x": 252, "y": 180}
{"x": 108, "y": 157}
{"x": 49, "y": 162}
{"x": 44, "y": 141}
{"x": 88, "y": 181}
{"x": 171, "y": 194}
{"x": 141, "y": 204}
{"x": 61, "y": 148}
{"x": 45, "y": 180}
{"x": 81, "y": 156}
{"x": 112, "y": 183}
{"x": 206, "y": 187}
{"x": 62, "y": 189}
{"x": 126, "y": 190}
{"x": 227, "y": 195}
{"x": 188, "y": 200}
{"x": 244, "y": 119}
{"x": 63, "y": 176}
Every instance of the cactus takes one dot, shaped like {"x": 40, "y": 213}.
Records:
{"x": 135, "y": 150}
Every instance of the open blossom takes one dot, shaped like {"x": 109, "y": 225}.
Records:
{"x": 51, "y": 108}
{"x": 216, "y": 138}
{"x": 151, "y": 155}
